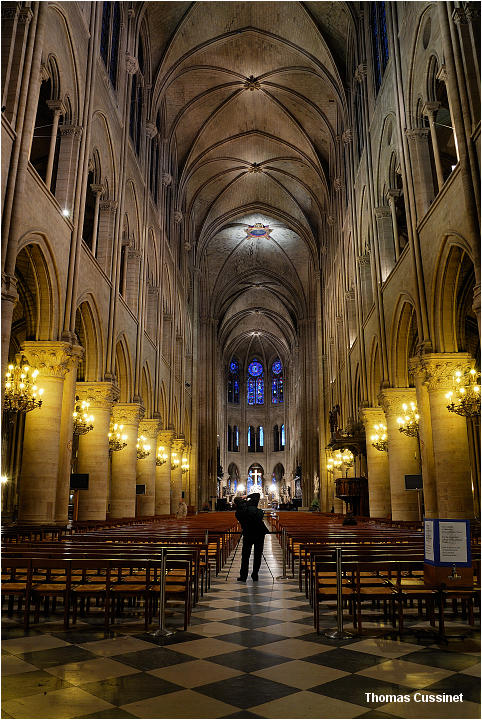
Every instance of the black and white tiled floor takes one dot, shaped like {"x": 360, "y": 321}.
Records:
{"x": 250, "y": 652}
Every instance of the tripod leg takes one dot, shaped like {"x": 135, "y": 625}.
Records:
{"x": 268, "y": 567}
{"x": 234, "y": 558}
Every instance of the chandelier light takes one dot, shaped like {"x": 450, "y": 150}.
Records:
{"x": 330, "y": 466}
{"x": 464, "y": 399}
{"x": 185, "y": 465}
{"x": 83, "y": 422}
{"x": 174, "y": 461}
{"x": 21, "y": 391}
{"x": 117, "y": 440}
{"x": 347, "y": 458}
{"x": 142, "y": 448}
{"x": 162, "y": 456}
{"x": 379, "y": 438}
{"x": 408, "y": 422}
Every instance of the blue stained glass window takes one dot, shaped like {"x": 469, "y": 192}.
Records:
{"x": 233, "y": 381}
{"x": 234, "y": 367}
{"x": 255, "y": 384}
{"x": 261, "y": 436}
{"x": 383, "y": 33}
{"x": 255, "y": 368}
{"x": 277, "y": 383}
{"x": 114, "y": 50}
{"x": 376, "y": 51}
{"x": 283, "y": 437}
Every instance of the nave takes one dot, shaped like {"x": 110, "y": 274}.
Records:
{"x": 250, "y": 651}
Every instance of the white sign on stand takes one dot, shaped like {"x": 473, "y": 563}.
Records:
{"x": 453, "y": 542}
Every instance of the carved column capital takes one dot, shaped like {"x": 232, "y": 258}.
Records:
{"x": 165, "y": 438}
{"x": 108, "y": 206}
{"x": 178, "y": 445}
{"x": 363, "y": 260}
{"x": 418, "y": 135}
{"x": 57, "y": 106}
{"x": 132, "y": 66}
{"x": 430, "y": 108}
{"x": 128, "y": 413}
{"x": 371, "y": 416}
{"x": 52, "y": 358}
{"x": 166, "y": 179}
{"x": 177, "y": 216}
{"x": 392, "y": 399}
{"x": 151, "y": 129}
{"x": 70, "y": 130}
{"x": 25, "y": 15}
{"x": 100, "y": 395}
{"x": 438, "y": 369}
{"x": 349, "y": 295}
{"x": 150, "y": 429}
{"x": 338, "y": 184}
{"x": 331, "y": 220}
{"x": 360, "y": 72}
{"x": 347, "y": 136}
{"x": 382, "y": 211}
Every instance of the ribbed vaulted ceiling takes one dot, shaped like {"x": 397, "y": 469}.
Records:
{"x": 253, "y": 100}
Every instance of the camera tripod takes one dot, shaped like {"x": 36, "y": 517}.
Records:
{"x": 234, "y": 558}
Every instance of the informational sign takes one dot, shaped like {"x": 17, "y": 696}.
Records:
{"x": 429, "y": 551}
{"x": 447, "y": 542}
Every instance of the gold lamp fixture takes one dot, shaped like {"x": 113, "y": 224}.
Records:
{"x": 184, "y": 465}
{"x": 162, "y": 456}
{"x": 379, "y": 438}
{"x": 464, "y": 399}
{"x": 142, "y": 448}
{"x": 83, "y": 422}
{"x": 21, "y": 391}
{"x": 117, "y": 439}
{"x": 174, "y": 461}
{"x": 408, "y": 422}
{"x": 330, "y": 466}
{"x": 347, "y": 458}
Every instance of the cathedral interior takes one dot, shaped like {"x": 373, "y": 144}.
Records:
{"x": 240, "y": 253}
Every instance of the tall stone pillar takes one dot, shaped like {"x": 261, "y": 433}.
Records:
{"x": 41, "y": 446}
{"x": 146, "y": 468}
{"x": 124, "y": 462}
{"x": 93, "y": 455}
{"x": 9, "y": 298}
{"x": 425, "y": 438}
{"x": 403, "y": 453}
{"x": 176, "y": 474}
{"x": 377, "y": 464}
{"x": 449, "y": 436}
{"x": 163, "y": 475}
{"x": 66, "y": 436}
{"x": 422, "y": 175}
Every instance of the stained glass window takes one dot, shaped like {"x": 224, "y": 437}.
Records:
{"x": 114, "y": 48}
{"x": 109, "y": 38}
{"x": 233, "y": 381}
{"x": 378, "y": 23}
{"x": 282, "y": 443}
{"x": 277, "y": 382}
{"x": 104, "y": 33}
{"x": 255, "y": 383}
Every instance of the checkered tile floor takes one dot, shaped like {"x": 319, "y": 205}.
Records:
{"x": 250, "y": 652}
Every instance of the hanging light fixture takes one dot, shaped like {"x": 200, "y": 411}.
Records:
{"x": 347, "y": 458}
{"x": 408, "y": 422}
{"x": 83, "y": 422}
{"x": 117, "y": 440}
{"x": 464, "y": 399}
{"x": 330, "y": 466}
{"x": 162, "y": 456}
{"x": 185, "y": 465}
{"x": 174, "y": 461}
{"x": 142, "y": 448}
{"x": 379, "y": 438}
{"x": 21, "y": 391}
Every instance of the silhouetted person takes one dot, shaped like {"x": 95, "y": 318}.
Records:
{"x": 250, "y": 518}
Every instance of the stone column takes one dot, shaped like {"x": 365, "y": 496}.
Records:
{"x": 163, "y": 475}
{"x": 146, "y": 468}
{"x": 105, "y": 233}
{"x": 176, "y": 474}
{"x": 377, "y": 464}
{"x": 449, "y": 435}
{"x": 9, "y": 299}
{"x": 403, "y": 453}
{"x": 66, "y": 434}
{"x": 422, "y": 173}
{"x": 124, "y": 462}
{"x": 429, "y": 110}
{"x": 40, "y": 456}
{"x": 425, "y": 438}
{"x": 70, "y": 136}
{"x": 97, "y": 191}
{"x": 386, "y": 246}
{"x": 93, "y": 455}
{"x": 58, "y": 109}
{"x": 366, "y": 282}
{"x": 392, "y": 194}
